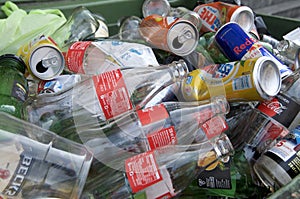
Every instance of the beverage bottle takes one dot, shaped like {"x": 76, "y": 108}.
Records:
{"x": 153, "y": 127}
{"x": 269, "y": 120}
{"x": 91, "y": 58}
{"x": 98, "y": 98}
{"x": 163, "y": 172}
{"x": 280, "y": 164}
{"x": 36, "y": 163}
{"x": 14, "y": 85}
{"x": 82, "y": 25}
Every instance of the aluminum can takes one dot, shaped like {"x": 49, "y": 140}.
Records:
{"x": 215, "y": 14}
{"x": 43, "y": 58}
{"x": 172, "y": 34}
{"x": 280, "y": 164}
{"x": 251, "y": 80}
{"x": 236, "y": 44}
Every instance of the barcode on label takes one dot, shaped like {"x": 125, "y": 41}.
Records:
{"x": 242, "y": 83}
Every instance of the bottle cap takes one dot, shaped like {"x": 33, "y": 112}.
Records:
{"x": 14, "y": 61}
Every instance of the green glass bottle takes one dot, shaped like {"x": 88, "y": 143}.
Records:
{"x": 13, "y": 84}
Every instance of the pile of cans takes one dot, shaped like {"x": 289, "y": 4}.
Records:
{"x": 219, "y": 41}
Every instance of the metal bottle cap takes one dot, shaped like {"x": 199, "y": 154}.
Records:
{"x": 244, "y": 16}
{"x": 266, "y": 77}
{"x": 18, "y": 62}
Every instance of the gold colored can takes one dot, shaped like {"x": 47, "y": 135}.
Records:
{"x": 43, "y": 58}
{"x": 250, "y": 80}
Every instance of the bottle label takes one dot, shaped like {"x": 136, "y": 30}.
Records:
{"x": 19, "y": 91}
{"x": 142, "y": 171}
{"x": 204, "y": 115}
{"x": 162, "y": 137}
{"x": 281, "y": 108}
{"x": 217, "y": 178}
{"x": 75, "y": 56}
{"x": 215, "y": 126}
{"x": 152, "y": 114}
{"x": 112, "y": 93}
{"x": 287, "y": 155}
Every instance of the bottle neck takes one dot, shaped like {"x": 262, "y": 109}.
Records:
{"x": 179, "y": 69}
{"x": 10, "y": 60}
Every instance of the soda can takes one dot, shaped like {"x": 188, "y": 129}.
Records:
{"x": 236, "y": 44}
{"x": 280, "y": 164}
{"x": 172, "y": 34}
{"x": 215, "y": 14}
{"x": 43, "y": 58}
{"x": 251, "y": 80}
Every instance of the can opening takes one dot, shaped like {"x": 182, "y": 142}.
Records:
{"x": 40, "y": 67}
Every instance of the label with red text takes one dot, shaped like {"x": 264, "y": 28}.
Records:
{"x": 75, "y": 56}
{"x": 142, "y": 171}
{"x": 112, "y": 93}
{"x": 215, "y": 126}
{"x": 152, "y": 114}
{"x": 162, "y": 137}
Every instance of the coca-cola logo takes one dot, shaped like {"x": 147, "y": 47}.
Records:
{"x": 272, "y": 108}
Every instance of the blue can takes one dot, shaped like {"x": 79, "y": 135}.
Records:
{"x": 236, "y": 45}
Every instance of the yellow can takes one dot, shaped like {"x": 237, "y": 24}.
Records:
{"x": 43, "y": 58}
{"x": 250, "y": 80}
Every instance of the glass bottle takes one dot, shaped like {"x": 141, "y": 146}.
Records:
{"x": 96, "y": 57}
{"x": 150, "y": 128}
{"x": 96, "y": 99}
{"x": 166, "y": 171}
{"x": 14, "y": 85}
{"x": 35, "y": 163}
{"x": 81, "y": 25}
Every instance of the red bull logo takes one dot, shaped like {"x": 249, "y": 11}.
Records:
{"x": 243, "y": 47}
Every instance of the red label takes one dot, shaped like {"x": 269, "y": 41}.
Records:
{"x": 162, "y": 137}
{"x": 271, "y": 108}
{"x": 215, "y": 126}
{"x": 112, "y": 93}
{"x": 152, "y": 114}
{"x": 165, "y": 196}
{"x": 142, "y": 171}
{"x": 203, "y": 115}
{"x": 75, "y": 56}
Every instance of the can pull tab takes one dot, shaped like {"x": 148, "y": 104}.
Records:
{"x": 45, "y": 63}
{"x": 184, "y": 36}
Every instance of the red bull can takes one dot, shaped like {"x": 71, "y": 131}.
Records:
{"x": 172, "y": 34}
{"x": 236, "y": 44}
{"x": 43, "y": 58}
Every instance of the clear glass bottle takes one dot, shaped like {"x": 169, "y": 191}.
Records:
{"x": 81, "y": 25}
{"x": 166, "y": 171}
{"x": 98, "y": 98}
{"x": 36, "y": 163}
{"x": 153, "y": 127}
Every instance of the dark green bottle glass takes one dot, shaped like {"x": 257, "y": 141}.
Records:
{"x": 13, "y": 84}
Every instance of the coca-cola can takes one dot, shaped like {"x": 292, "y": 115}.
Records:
{"x": 215, "y": 14}
{"x": 172, "y": 34}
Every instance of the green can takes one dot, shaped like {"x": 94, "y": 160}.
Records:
{"x": 13, "y": 84}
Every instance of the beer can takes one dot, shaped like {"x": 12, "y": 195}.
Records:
{"x": 215, "y": 14}
{"x": 280, "y": 164}
{"x": 43, "y": 58}
{"x": 172, "y": 34}
{"x": 250, "y": 80}
{"x": 236, "y": 44}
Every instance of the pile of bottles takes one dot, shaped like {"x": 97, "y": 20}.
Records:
{"x": 198, "y": 103}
